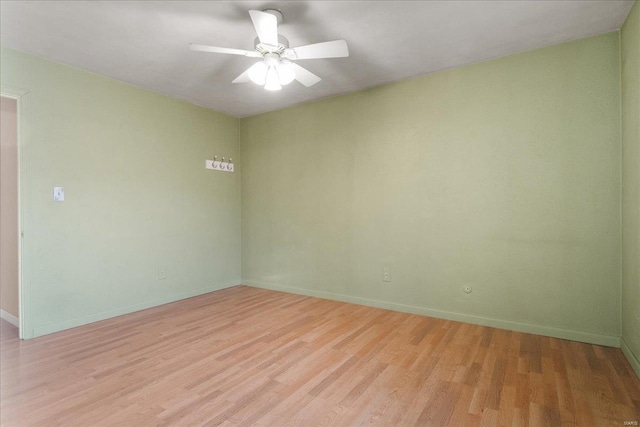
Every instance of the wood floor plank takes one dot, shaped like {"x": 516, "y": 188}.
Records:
{"x": 246, "y": 356}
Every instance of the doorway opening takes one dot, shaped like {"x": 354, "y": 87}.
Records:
{"x": 9, "y": 230}
{"x": 11, "y": 301}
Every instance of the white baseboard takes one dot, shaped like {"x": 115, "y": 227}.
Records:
{"x": 633, "y": 360}
{"x": 587, "y": 337}
{"x": 84, "y": 320}
{"x": 9, "y": 318}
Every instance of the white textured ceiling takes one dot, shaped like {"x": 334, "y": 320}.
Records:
{"x": 145, "y": 43}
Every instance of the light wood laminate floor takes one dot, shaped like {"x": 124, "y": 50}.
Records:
{"x": 245, "y": 356}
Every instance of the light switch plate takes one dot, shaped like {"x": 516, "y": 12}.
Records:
{"x": 58, "y": 194}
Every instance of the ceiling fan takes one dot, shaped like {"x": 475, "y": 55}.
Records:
{"x": 277, "y": 69}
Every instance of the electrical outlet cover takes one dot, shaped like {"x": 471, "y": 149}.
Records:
{"x": 386, "y": 274}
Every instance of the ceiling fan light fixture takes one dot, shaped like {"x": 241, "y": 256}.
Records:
{"x": 272, "y": 81}
{"x": 258, "y": 73}
{"x": 285, "y": 72}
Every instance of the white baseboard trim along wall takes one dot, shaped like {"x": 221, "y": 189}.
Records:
{"x": 635, "y": 363}
{"x": 9, "y": 318}
{"x": 96, "y": 317}
{"x": 606, "y": 340}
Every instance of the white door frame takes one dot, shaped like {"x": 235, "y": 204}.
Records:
{"x": 22, "y": 98}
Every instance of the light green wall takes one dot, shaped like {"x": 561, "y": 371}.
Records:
{"x": 137, "y": 196}
{"x": 503, "y": 175}
{"x": 630, "y": 40}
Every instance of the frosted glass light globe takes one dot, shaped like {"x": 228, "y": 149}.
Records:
{"x": 258, "y": 72}
{"x": 285, "y": 72}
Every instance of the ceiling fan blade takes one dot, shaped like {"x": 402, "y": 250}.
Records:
{"x": 266, "y": 27}
{"x": 243, "y": 78}
{"x": 304, "y": 76}
{"x": 215, "y": 49}
{"x": 332, "y": 49}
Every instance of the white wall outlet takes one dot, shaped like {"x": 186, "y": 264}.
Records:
{"x": 386, "y": 274}
{"x": 467, "y": 289}
{"x": 162, "y": 273}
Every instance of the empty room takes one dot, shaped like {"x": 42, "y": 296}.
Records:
{"x": 314, "y": 213}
